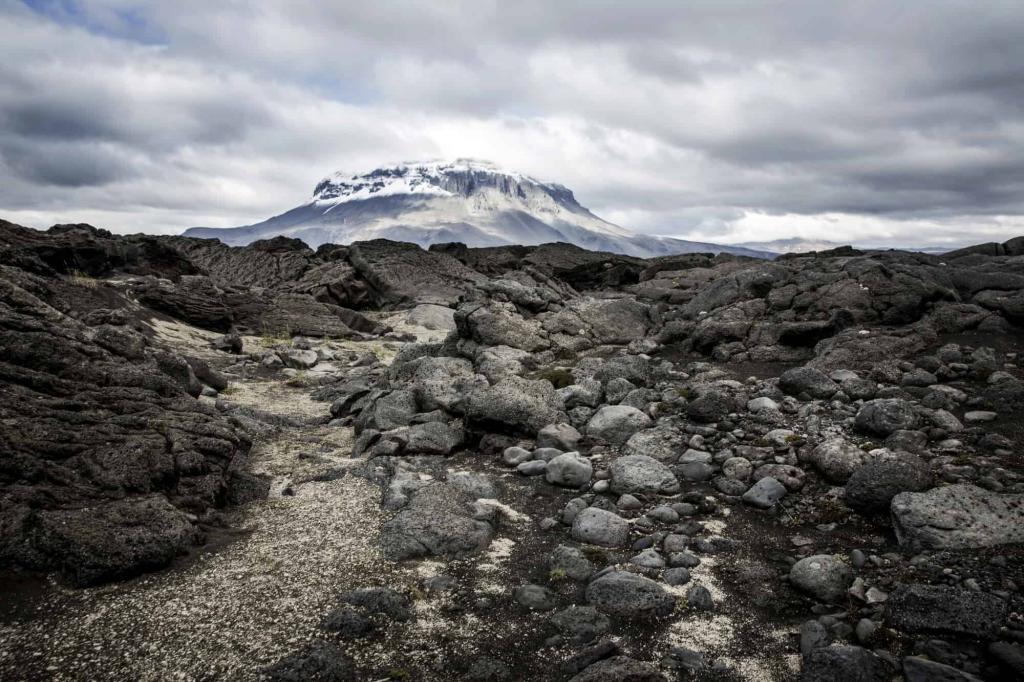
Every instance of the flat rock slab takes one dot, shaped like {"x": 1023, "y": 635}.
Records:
{"x": 438, "y": 521}
{"x": 958, "y": 516}
{"x": 946, "y": 610}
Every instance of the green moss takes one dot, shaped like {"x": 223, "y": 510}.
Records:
{"x": 556, "y": 574}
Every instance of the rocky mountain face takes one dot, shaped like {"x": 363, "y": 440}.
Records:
{"x": 512, "y": 462}
{"x": 470, "y": 202}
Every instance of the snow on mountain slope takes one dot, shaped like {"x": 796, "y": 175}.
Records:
{"x": 467, "y": 201}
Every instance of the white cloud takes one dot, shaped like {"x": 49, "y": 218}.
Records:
{"x": 719, "y": 122}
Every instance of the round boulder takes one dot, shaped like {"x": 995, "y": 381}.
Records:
{"x": 642, "y": 474}
{"x": 570, "y": 470}
{"x": 837, "y": 459}
{"x": 823, "y": 576}
{"x": 885, "y": 416}
{"x": 872, "y": 487}
{"x": 600, "y": 527}
{"x": 807, "y": 381}
{"x": 616, "y": 423}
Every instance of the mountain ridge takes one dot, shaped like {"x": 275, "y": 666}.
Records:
{"x": 468, "y": 201}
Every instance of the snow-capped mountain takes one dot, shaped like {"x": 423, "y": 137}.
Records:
{"x": 467, "y": 201}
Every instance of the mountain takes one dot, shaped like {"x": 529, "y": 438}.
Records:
{"x": 800, "y": 245}
{"x": 792, "y": 245}
{"x": 466, "y": 201}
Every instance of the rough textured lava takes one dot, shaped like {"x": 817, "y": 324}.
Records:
{"x": 376, "y": 461}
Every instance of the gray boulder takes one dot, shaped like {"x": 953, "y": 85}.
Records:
{"x": 516, "y": 403}
{"x": 960, "y": 516}
{"x": 884, "y": 416}
{"x": 600, "y": 527}
{"x": 571, "y": 562}
{"x": 432, "y": 438}
{"x": 437, "y": 521}
{"x": 560, "y": 436}
{"x": 945, "y": 610}
{"x": 765, "y": 493}
{"x": 642, "y": 474}
{"x": 841, "y": 663}
{"x": 114, "y": 540}
{"x": 711, "y": 406}
{"x": 807, "y": 381}
{"x": 616, "y": 423}
{"x": 570, "y": 469}
{"x": 626, "y": 595}
{"x": 441, "y": 383}
{"x": 837, "y": 459}
{"x": 619, "y": 669}
{"x": 299, "y": 359}
{"x": 581, "y": 624}
{"x": 917, "y": 669}
{"x": 663, "y": 443}
{"x": 430, "y": 316}
{"x": 823, "y": 576}
{"x": 872, "y": 486}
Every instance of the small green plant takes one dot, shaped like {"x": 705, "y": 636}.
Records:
{"x": 559, "y": 378}
{"x": 416, "y": 594}
{"x": 793, "y": 438}
{"x": 595, "y": 554}
{"x": 399, "y": 674}
{"x": 79, "y": 278}
{"x": 297, "y": 381}
{"x": 556, "y": 575}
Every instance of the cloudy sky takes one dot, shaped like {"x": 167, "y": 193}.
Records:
{"x": 865, "y": 122}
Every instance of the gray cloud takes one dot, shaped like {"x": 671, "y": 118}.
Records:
{"x": 711, "y": 120}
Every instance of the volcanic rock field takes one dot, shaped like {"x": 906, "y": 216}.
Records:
{"x": 383, "y": 462}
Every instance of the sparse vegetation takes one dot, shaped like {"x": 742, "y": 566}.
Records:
{"x": 79, "y": 278}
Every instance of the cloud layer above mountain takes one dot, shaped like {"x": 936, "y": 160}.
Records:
{"x": 874, "y": 122}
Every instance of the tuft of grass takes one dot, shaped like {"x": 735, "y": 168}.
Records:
{"x": 297, "y": 381}
{"x": 79, "y": 278}
{"x": 595, "y": 554}
{"x": 556, "y": 575}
